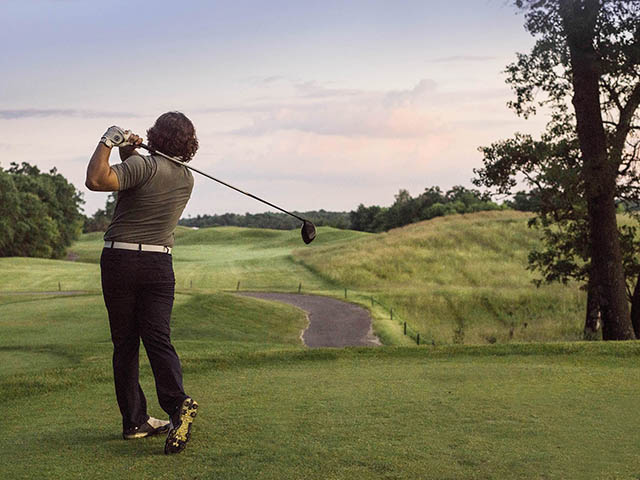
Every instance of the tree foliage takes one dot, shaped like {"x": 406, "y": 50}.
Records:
{"x": 39, "y": 212}
{"x": 430, "y": 204}
{"x": 586, "y": 55}
{"x": 101, "y": 219}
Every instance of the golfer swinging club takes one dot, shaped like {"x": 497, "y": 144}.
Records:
{"x": 137, "y": 271}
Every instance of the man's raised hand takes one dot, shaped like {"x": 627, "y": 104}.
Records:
{"x": 116, "y": 137}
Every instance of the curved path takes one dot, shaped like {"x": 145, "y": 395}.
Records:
{"x": 332, "y": 323}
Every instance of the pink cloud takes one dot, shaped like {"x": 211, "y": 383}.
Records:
{"x": 343, "y": 112}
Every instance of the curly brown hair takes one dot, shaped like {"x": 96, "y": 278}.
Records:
{"x": 174, "y": 134}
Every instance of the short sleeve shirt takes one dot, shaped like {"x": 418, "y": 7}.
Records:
{"x": 152, "y": 196}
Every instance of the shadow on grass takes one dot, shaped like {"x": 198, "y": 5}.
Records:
{"x": 99, "y": 443}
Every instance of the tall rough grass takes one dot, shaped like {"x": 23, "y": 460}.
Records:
{"x": 457, "y": 279}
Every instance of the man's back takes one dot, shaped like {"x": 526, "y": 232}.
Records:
{"x": 153, "y": 195}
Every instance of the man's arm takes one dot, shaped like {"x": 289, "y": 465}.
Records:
{"x": 126, "y": 152}
{"x": 100, "y": 176}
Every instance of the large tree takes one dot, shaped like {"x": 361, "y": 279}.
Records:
{"x": 39, "y": 212}
{"x": 584, "y": 71}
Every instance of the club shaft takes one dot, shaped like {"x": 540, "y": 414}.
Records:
{"x": 184, "y": 164}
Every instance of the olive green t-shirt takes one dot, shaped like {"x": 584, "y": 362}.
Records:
{"x": 153, "y": 193}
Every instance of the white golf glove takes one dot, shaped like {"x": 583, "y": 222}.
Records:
{"x": 116, "y": 137}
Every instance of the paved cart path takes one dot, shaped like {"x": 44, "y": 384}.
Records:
{"x": 332, "y": 323}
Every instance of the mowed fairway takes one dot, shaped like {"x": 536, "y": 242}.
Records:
{"x": 218, "y": 258}
{"x": 273, "y": 409}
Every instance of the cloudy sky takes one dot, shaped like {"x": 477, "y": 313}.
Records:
{"x": 310, "y": 104}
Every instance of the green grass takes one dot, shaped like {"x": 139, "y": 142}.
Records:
{"x": 514, "y": 411}
{"x": 219, "y": 258}
{"x": 74, "y": 330}
{"x": 459, "y": 278}
{"x": 207, "y": 259}
{"x": 37, "y": 274}
{"x": 272, "y": 409}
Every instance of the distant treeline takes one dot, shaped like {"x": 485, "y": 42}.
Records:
{"x": 99, "y": 221}
{"x": 430, "y": 204}
{"x": 278, "y": 221}
{"x": 406, "y": 209}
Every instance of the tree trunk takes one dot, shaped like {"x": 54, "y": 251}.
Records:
{"x": 592, "y": 321}
{"x": 607, "y": 264}
{"x": 635, "y": 309}
{"x": 599, "y": 171}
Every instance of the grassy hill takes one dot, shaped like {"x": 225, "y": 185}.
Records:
{"x": 459, "y": 278}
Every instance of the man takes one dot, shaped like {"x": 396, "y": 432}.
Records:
{"x": 137, "y": 272}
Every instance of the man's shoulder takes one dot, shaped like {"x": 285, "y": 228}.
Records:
{"x": 134, "y": 171}
{"x": 170, "y": 168}
{"x": 144, "y": 160}
{"x": 139, "y": 163}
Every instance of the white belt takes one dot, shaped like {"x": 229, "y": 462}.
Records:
{"x": 141, "y": 247}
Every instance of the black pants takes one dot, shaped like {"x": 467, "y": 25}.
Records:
{"x": 138, "y": 290}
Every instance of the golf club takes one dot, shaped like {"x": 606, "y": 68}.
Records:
{"x": 308, "y": 229}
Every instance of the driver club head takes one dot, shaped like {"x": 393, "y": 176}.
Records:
{"x": 308, "y": 232}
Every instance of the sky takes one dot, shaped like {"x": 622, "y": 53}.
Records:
{"x": 310, "y": 105}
